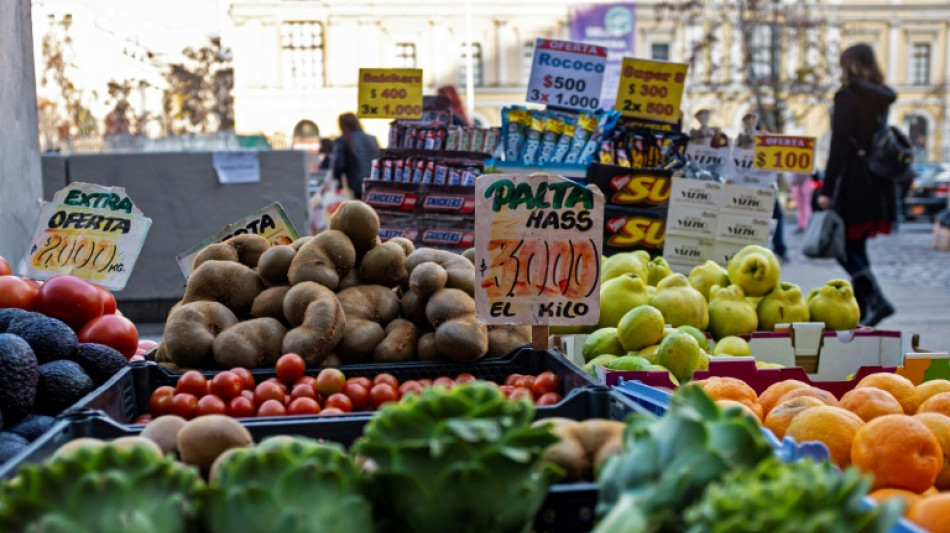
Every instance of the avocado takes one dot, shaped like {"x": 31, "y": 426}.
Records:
{"x": 10, "y": 314}
{"x": 19, "y": 375}
{"x": 62, "y": 384}
{"x": 10, "y": 445}
{"x": 51, "y": 339}
{"x": 99, "y": 361}
{"x": 31, "y": 427}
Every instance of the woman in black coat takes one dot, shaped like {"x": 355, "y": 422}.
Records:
{"x": 865, "y": 203}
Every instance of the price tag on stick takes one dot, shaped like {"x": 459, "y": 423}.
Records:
{"x": 390, "y": 93}
{"x": 538, "y": 245}
{"x": 785, "y": 153}
{"x": 567, "y": 74}
{"x": 651, "y": 90}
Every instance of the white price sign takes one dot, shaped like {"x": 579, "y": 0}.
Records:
{"x": 567, "y": 74}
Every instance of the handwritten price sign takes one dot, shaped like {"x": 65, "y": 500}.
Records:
{"x": 567, "y": 74}
{"x": 89, "y": 231}
{"x": 785, "y": 153}
{"x": 538, "y": 244}
{"x": 651, "y": 90}
{"x": 390, "y": 93}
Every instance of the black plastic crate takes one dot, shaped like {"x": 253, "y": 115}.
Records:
{"x": 126, "y": 395}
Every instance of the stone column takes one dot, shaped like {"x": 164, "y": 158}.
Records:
{"x": 21, "y": 183}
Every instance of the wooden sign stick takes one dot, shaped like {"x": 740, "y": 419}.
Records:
{"x": 539, "y": 337}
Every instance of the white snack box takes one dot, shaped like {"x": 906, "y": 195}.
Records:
{"x": 696, "y": 193}
{"x": 687, "y": 251}
{"x": 691, "y": 221}
{"x": 742, "y": 200}
{"x": 744, "y": 229}
{"x": 723, "y": 252}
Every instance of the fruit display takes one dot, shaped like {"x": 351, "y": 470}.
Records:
{"x": 340, "y": 297}
{"x": 236, "y": 393}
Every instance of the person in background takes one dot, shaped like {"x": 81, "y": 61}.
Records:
{"x": 326, "y": 154}
{"x": 778, "y": 238}
{"x": 865, "y": 203}
{"x": 459, "y": 116}
{"x": 801, "y": 192}
{"x": 353, "y": 154}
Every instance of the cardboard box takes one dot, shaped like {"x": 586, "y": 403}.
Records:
{"x": 688, "y": 221}
{"x": 689, "y": 251}
{"x": 696, "y": 193}
{"x": 723, "y": 251}
{"x": 631, "y": 187}
{"x": 742, "y": 200}
{"x": 628, "y": 230}
{"x": 744, "y": 229}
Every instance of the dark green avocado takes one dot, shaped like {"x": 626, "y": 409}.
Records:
{"x": 50, "y": 338}
{"x": 62, "y": 384}
{"x": 19, "y": 375}
{"x": 99, "y": 361}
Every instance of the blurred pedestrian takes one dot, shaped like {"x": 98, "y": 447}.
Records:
{"x": 801, "y": 191}
{"x": 865, "y": 203}
{"x": 459, "y": 116}
{"x": 354, "y": 152}
{"x": 778, "y": 236}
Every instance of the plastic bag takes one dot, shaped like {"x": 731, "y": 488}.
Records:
{"x": 325, "y": 202}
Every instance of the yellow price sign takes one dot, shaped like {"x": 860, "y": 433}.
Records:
{"x": 390, "y": 93}
{"x": 784, "y": 153}
{"x": 651, "y": 90}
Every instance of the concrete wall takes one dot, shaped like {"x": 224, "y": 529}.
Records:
{"x": 181, "y": 194}
{"x": 20, "y": 186}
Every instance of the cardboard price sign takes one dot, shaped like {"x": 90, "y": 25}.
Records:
{"x": 270, "y": 222}
{"x": 785, "y": 153}
{"x": 651, "y": 90}
{"x": 538, "y": 244}
{"x": 390, "y": 93}
{"x": 567, "y": 74}
{"x": 90, "y": 231}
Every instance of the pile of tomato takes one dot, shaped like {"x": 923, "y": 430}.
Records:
{"x": 87, "y": 308}
{"x": 235, "y": 393}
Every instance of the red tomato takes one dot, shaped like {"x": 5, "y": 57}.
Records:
{"x": 107, "y": 298}
{"x": 268, "y": 391}
{"x": 114, "y": 331}
{"x": 33, "y": 283}
{"x": 358, "y": 395}
{"x": 546, "y": 382}
{"x": 382, "y": 393}
{"x": 161, "y": 400}
{"x": 211, "y": 405}
{"x": 409, "y": 387}
{"x": 512, "y": 379}
{"x": 143, "y": 419}
{"x": 303, "y": 406}
{"x": 241, "y": 407}
{"x": 290, "y": 367}
{"x": 331, "y": 411}
{"x": 227, "y": 385}
{"x": 388, "y": 379}
{"x": 283, "y": 386}
{"x": 525, "y": 382}
{"x": 247, "y": 378}
{"x": 443, "y": 382}
{"x": 184, "y": 405}
{"x": 362, "y": 380}
{"x": 426, "y": 383}
{"x": 506, "y": 390}
{"x": 329, "y": 381}
{"x": 303, "y": 391}
{"x": 466, "y": 378}
{"x": 549, "y": 398}
{"x": 340, "y": 401}
{"x": 192, "y": 382}
{"x": 5, "y": 267}
{"x": 73, "y": 300}
{"x": 521, "y": 393}
{"x": 16, "y": 292}
{"x": 305, "y": 380}
{"x": 249, "y": 394}
{"x": 272, "y": 408}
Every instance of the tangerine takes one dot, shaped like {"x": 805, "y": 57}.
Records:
{"x": 770, "y": 397}
{"x": 938, "y": 403}
{"x": 909, "y": 498}
{"x": 899, "y": 451}
{"x": 870, "y": 403}
{"x": 940, "y": 426}
{"x": 779, "y": 418}
{"x": 826, "y": 397}
{"x": 725, "y": 388}
{"x": 932, "y": 513}
{"x": 900, "y": 388}
{"x": 832, "y": 426}
{"x": 723, "y": 404}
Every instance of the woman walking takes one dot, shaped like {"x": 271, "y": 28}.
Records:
{"x": 865, "y": 203}
{"x": 354, "y": 152}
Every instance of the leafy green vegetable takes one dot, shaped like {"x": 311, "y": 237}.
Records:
{"x": 460, "y": 460}
{"x": 101, "y": 490}
{"x": 801, "y": 497}
{"x": 287, "y": 485}
{"x": 668, "y": 462}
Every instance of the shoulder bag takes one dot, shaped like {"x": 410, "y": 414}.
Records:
{"x": 825, "y": 233}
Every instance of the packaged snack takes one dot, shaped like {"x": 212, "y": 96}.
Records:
{"x": 441, "y": 174}
{"x": 553, "y": 128}
{"x": 478, "y": 140}
{"x": 455, "y": 175}
{"x": 533, "y": 139}
{"x": 564, "y": 141}
{"x": 374, "y": 170}
{"x": 418, "y": 170}
{"x": 429, "y": 173}
{"x": 586, "y": 124}
{"x": 439, "y": 139}
{"x": 452, "y": 138}
{"x": 491, "y": 140}
{"x": 465, "y": 140}
{"x": 468, "y": 176}
{"x": 514, "y": 123}
{"x": 387, "y": 170}
{"x": 604, "y": 124}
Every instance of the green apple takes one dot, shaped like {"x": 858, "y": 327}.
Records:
{"x": 755, "y": 269}
{"x": 680, "y": 354}
{"x": 680, "y": 303}
{"x": 624, "y": 263}
{"x": 604, "y": 341}
{"x": 703, "y": 277}
{"x": 735, "y": 346}
{"x": 730, "y": 313}
{"x": 783, "y": 305}
{"x": 618, "y": 296}
{"x": 649, "y": 353}
{"x": 628, "y": 362}
{"x": 834, "y": 304}
{"x": 698, "y": 335}
{"x": 640, "y": 327}
{"x": 601, "y": 360}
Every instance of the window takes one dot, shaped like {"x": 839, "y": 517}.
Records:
{"x": 405, "y": 55}
{"x": 660, "y": 51}
{"x": 920, "y": 64}
{"x": 527, "y": 59}
{"x": 477, "y": 73}
{"x": 301, "y": 44}
{"x": 761, "y": 52}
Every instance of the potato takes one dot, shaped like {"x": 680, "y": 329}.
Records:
{"x": 359, "y": 222}
{"x": 249, "y": 247}
{"x": 352, "y": 279}
{"x": 296, "y": 245}
{"x": 384, "y": 265}
{"x": 368, "y": 309}
{"x": 274, "y": 264}
{"x": 469, "y": 254}
{"x": 231, "y": 284}
{"x": 218, "y": 251}
{"x": 458, "y": 334}
{"x": 503, "y": 339}
{"x": 324, "y": 259}
{"x": 270, "y": 303}
{"x": 569, "y": 454}
{"x": 253, "y": 343}
{"x": 407, "y": 246}
{"x": 414, "y": 309}
{"x": 318, "y": 320}
{"x": 191, "y": 329}
{"x": 399, "y": 346}
{"x": 460, "y": 271}
{"x": 163, "y": 431}
{"x": 203, "y": 439}
{"x": 593, "y": 433}
{"x": 427, "y": 278}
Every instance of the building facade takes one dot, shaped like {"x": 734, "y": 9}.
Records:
{"x": 298, "y": 60}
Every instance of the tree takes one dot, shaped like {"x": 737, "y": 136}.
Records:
{"x": 198, "y": 98}
{"x": 120, "y": 119}
{"x": 75, "y": 119}
{"x": 784, "y": 53}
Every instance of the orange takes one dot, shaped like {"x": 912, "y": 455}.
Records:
{"x": 882, "y": 495}
{"x": 833, "y": 426}
{"x": 900, "y": 452}
{"x": 900, "y": 388}
{"x": 719, "y": 388}
{"x": 870, "y": 403}
{"x": 723, "y": 404}
{"x": 929, "y": 388}
{"x": 826, "y": 397}
{"x": 938, "y": 403}
{"x": 932, "y": 514}
{"x": 783, "y": 414}
{"x": 932, "y": 491}
{"x": 769, "y": 398}
{"x": 940, "y": 426}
